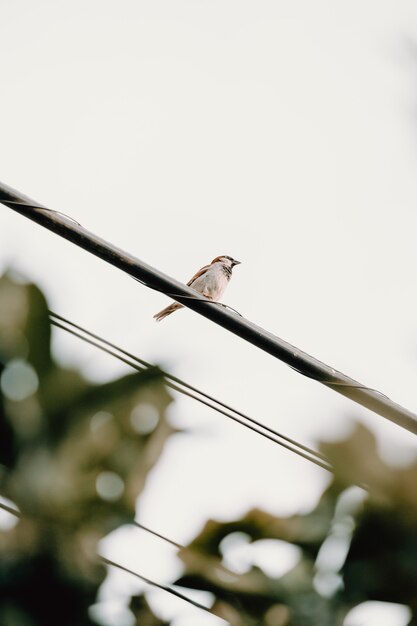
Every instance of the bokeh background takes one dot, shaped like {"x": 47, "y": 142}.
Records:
{"x": 283, "y": 134}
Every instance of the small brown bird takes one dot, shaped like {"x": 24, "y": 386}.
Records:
{"x": 211, "y": 280}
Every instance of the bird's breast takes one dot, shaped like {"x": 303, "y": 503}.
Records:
{"x": 218, "y": 281}
{"x": 212, "y": 283}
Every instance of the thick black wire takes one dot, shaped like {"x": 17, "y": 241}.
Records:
{"x": 315, "y": 457}
{"x": 312, "y": 368}
{"x": 174, "y": 295}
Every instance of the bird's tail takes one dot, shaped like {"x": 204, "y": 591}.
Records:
{"x": 167, "y": 311}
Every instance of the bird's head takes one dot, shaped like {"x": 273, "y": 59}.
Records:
{"x": 226, "y": 260}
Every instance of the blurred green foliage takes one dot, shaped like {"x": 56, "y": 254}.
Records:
{"x": 74, "y": 457}
{"x": 143, "y": 615}
{"x": 356, "y": 545}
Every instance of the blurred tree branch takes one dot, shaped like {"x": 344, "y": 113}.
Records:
{"x": 74, "y": 457}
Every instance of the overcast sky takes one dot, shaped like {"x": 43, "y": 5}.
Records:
{"x": 281, "y": 133}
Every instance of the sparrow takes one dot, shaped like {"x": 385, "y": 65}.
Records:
{"x": 211, "y": 280}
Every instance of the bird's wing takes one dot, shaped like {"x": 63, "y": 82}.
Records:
{"x": 200, "y": 272}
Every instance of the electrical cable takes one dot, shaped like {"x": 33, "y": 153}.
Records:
{"x": 299, "y": 449}
{"x": 148, "y": 581}
{"x": 17, "y": 513}
{"x": 166, "y": 588}
{"x": 179, "y": 381}
{"x": 10, "y": 510}
{"x": 153, "y": 532}
{"x": 153, "y": 278}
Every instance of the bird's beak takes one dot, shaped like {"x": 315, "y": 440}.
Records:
{"x": 237, "y": 262}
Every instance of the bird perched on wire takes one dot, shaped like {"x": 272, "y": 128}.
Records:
{"x": 211, "y": 281}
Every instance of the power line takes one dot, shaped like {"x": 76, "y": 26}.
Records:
{"x": 148, "y": 581}
{"x": 153, "y": 532}
{"x": 17, "y": 513}
{"x": 154, "y": 279}
{"x": 299, "y": 449}
{"x": 10, "y": 510}
{"x": 166, "y": 588}
{"x": 181, "y": 382}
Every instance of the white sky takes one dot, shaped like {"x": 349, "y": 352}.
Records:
{"x": 281, "y": 133}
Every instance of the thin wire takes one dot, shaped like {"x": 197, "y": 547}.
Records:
{"x": 179, "y": 381}
{"x": 177, "y": 545}
{"x": 315, "y": 457}
{"x": 153, "y": 532}
{"x": 166, "y": 588}
{"x": 10, "y": 510}
{"x": 314, "y": 460}
{"x": 17, "y": 513}
{"x": 148, "y": 581}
